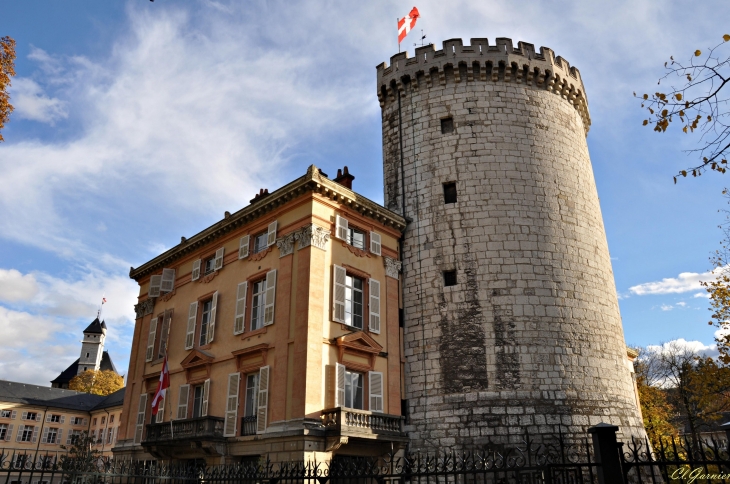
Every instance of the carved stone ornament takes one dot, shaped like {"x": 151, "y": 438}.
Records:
{"x": 314, "y": 235}
{"x": 206, "y": 279}
{"x": 355, "y": 250}
{"x": 260, "y": 255}
{"x": 145, "y": 307}
{"x": 392, "y": 267}
{"x": 167, "y": 297}
{"x": 286, "y": 244}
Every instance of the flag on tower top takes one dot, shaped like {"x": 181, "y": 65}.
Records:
{"x": 161, "y": 387}
{"x": 407, "y": 23}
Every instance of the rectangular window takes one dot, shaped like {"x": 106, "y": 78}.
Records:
{"x": 103, "y": 420}
{"x": 3, "y": 431}
{"x": 260, "y": 242}
{"x": 93, "y": 421}
{"x": 31, "y": 416}
{"x": 27, "y": 434}
{"x": 109, "y": 436}
{"x": 205, "y": 322}
{"x": 55, "y": 418}
{"x": 52, "y": 437}
{"x": 77, "y": 421}
{"x": 447, "y": 126}
{"x": 449, "y": 278}
{"x": 6, "y": 413}
{"x": 353, "y": 390}
{"x": 111, "y": 419}
{"x": 209, "y": 265}
{"x": 20, "y": 461}
{"x": 356, "y": 238}
{"x": 258, "y": 304}
{"x": 197, "y": 401}
{"x": 252, "y": 392}
{"x": 73, "y": 436}
{"x": 353, "y": 301}
{"x": 450, "y": 192}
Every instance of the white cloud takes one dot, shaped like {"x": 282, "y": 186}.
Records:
{"x": 681, "y": 343}
{"x": 666, "y": 307}
{"x": 684, "y": 282}
{"x": 682, "y": 304}
{"x": 30, "y": 102}
{"x": 21, "y": 329}
{"x": 702, "y": 294}
{"x": 15, "y": 286}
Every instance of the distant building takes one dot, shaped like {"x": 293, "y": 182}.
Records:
{"x": 93, "y": 356}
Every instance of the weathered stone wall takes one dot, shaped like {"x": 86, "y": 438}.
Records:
{"x": 531, "y": 336}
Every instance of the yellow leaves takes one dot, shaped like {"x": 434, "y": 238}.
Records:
{"x": 683, "y": 173}
{"x": 681, "y": 112}
{"x": 709, "y": 118}
{"x": 726, "y": 37}
{"x": 102, "y": 382}
{"x": 664, "y": 113}
{"x": 698, "y": 53}
{"x": 646, "y": 96}
{"x": 646, "y": 121}
{"x": 7, "y": 69}
{"x": 678, "y": 96}
{"x": 684, "y": 129}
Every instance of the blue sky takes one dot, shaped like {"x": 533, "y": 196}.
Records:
{"x": 138, "y": 122}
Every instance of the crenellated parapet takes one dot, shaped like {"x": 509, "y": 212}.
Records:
{"x": 481, "y": 62}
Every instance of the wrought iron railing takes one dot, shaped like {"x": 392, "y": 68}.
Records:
{"x": 191, "y": 428}
{"x": 350, "y": 421}
{"x": 248, "y": 425}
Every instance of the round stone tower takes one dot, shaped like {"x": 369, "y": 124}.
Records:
{"x": 510, "y": 308}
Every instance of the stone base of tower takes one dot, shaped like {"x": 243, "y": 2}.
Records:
{"x": 467, "y": 420}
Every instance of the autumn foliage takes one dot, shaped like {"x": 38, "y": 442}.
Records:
{"x": 7, "y": 69}
{"x": 101, "y": 382}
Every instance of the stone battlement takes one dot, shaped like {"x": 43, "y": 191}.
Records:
{"x": 482, "y": 62}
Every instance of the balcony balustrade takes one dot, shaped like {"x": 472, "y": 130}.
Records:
{"x": 248, "y": 425}
{"x": 201, "y": 428}
{"x": 362, "y": 423}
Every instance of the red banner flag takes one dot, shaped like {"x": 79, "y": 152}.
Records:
{"x": 407, "y": 23}
{"x": 162, "y": 385}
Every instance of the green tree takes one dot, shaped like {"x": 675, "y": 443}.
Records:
{"x": 698, "y": 103}
{"x": 7, "y": 69}
{"x": 100, "y": 382}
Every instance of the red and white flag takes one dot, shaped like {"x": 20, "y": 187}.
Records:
{"x": 161, "y": 387}
{"x": 407, "y": 23}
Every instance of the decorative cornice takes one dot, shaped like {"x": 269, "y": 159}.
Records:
{"x": 312, "y": 182}
{"x": 286, "y": 244}
{"x": 313, "y": 235}
{"x": 392, "y": 267}
{"x": 144, "y": 308}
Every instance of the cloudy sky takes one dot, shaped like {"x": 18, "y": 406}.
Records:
{"x": 137, "y": 123}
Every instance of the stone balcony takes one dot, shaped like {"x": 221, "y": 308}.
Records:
{"x": 348, "y": 422}
{"x": 205, "y": 433}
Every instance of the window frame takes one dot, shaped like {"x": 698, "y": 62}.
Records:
{"x": 352, "y": 290}
{"x": 3, "y": 431}
{"x": 27, "y": 432}
{"x": 203, "y": 313}
{"x": 261, "y": 307}
{"x": 349, "y": 374}
{"x": 263, "y": 235}
{"x": 6, "y": 414}
{"x": 254, "y": 397}
{"x": 194, "y": 389}
{"x": 351, "y": 231}
{"x": 451, "y": 194}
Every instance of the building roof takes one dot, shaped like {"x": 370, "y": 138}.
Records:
{"x": 50, "y": 397}
{"x": 115, "y": 399}
{"x": 96, "y": 327}
{"x": 73, "y": 370}
{"x": 313, "y": 181}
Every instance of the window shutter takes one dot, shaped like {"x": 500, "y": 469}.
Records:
{"x": 12, "y": 416}
{"x": 239, "y": 324}
{"x": 375, "y": 243}
{"x": 338, "y": 292}
{"x": 374, "y": 306}
{"x": 9, "y": 433}
{"x": 243, "y": 246}
{"x": 168, "y": 280}
{"x": 140, "y": 419}
{"x": 48, "y": 416}
{"x": 59, "y": 436}
{"x": 101, "y": 436}
{"x": 229, "y": 427}
{"x": 375, "y": 383}
{"x": 213, "y": 311}
{"x": 340, "y": 385}
{"x": 190, "y": 333}
{"x": 165, "y": 333}
{"x": 21, "y": 428}
{"x": 24, "y": 416}
{"x": 342, "y": 228}
{"x": 196, "y": 270}
{"x": 151, "y": 339}
{"x": 206, "y": 394}
{"x": 182, "y": 402}
{"x": 63, "y": 419}
{"x": 263, "y": 402}
{"x": 38, "y": 417}
{"x": 44, "y": 439}
{"x": 270, "y": 298}
{"x": 35, "y": 434}
{"x": 70, "y": 434}
{"x": 155, "y": 282}
{"x": 218, "y": 263}
{"x": 159, "y": 418}
{"x": 85, "y": 422}
{"x": 271, "y": 235}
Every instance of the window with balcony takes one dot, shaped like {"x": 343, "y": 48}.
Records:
{"x": 353, "y": 390}
{"x": 197, "y": 401}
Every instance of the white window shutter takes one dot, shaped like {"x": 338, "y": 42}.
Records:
{"x": 239, "y": 323}
{"x": 44, "y": 439}
{"x": 35, "y": 434}
{"x": 338, "y": 294}
{"x": 159, "y": 418}
{"x": 63, "y": 419}
{"x": 139, "y": 430}
{"x": 155, "y": 282}
{"x": 168, "y": 280}
{"x": 85, "y": 422}
{"x": 218, "y": 263}
{"x": 374, "y": 306}
{"x": 213, "y": 311}
{"x": 70, "y": 435}
{"x": 206, "y": 395}
{"x": 9, "y": 433}
{"x": 165, "y": 333}
{"x": 375, "y": 384}
{"x": 182, "y": 402}
{"x": 21, "y": 428}
{"x": 229, "y": 426}
{"x": 151, "y": 340}
{"x": 38, "y": 417}
{"x": 24, "y": 416}
{"x": 59, "y": 436}
{"x": 263, "y": 403}
{"x": 340, "y": 385}
{"x": 48, "y": 416}
{"x": 192, "y": 318}
{"x": 270, "y": 298}
{"x": 243, "y": 245}
{"x": 12, "y": 416}
{"x": 342, "y": 228}
{"x": 196, "y": 270}
{"x": 271, "y": 233}
{"x": 375, "y": 243}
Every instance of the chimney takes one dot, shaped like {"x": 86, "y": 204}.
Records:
{"x": 344, "y": 178}
{"x": 264, "y": 192}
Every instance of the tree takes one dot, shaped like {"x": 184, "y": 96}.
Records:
{"x": 658, "y": 413}
{"x": 81, "y": 456}
{"x": 698, "y": 103}
{"x": 7, "y": 69}
{"x": 101, "y": 382}
{"x": 719, "y": 290}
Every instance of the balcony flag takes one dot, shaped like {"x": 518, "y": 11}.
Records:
{"x": 161, "y": 387}
{"x": 407, "y": 23}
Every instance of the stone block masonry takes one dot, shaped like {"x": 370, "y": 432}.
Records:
{"x": 530, "y": 337}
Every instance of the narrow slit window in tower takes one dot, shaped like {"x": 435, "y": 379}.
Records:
{"x": 450, "y": 192}
{"x": 447, "y": 125}
{"x": 449, "y": 278}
